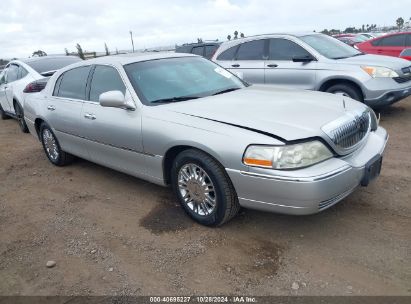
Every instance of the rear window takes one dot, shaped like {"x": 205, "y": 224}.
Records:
{"x": 253, "y": 50}
{"x": 228, "y": 54}
{"x": 72, "y": 84}
{"x": 51, "y": 64}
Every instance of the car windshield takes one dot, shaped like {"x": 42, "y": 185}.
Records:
{"x": 43, "y": 65}
{"x": 179, "y": 79}
{"x": 330, "y": 47}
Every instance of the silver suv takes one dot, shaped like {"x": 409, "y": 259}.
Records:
{"x": 317, "y": 62}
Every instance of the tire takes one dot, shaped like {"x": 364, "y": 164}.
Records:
{"x": 346, "y": 90}
{"x": 192, "y": 195}
{"x": 52, "y": 147}
{"x": 20, "y": 117}
{"x": 3, "y": 114}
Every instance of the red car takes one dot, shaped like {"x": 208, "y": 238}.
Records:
{"x": 390, "y": 45}
{"x": 406, "y": 54}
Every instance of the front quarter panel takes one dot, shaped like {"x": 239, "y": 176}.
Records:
{"x": 164, "y": 129}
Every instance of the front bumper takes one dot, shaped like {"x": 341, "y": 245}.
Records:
{"x": 308, "y": 190}
{"x": 383, "y": 92}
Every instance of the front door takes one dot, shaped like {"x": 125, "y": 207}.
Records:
{"x": 280, "y": 69}
{"x": 113, "y": 134}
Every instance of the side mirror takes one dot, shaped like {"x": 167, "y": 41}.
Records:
{"x": 114, "y": 99}
{"x": 307, "y": 58}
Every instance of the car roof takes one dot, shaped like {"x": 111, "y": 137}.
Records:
{"x": 43, "y": 58}
{"x": 233, "y": 42}
{"x": 128, "y": 58}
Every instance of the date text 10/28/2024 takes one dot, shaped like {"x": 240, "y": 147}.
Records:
{"x": 203, "y": 299}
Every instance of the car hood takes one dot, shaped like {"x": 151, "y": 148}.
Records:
{"x": 287, "y": 114}
{"x": 377, "y": 60}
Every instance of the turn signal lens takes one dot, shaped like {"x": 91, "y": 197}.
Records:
{"x": 258, "y": 162}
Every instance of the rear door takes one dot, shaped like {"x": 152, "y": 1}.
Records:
{"x": 390, "y": 45}
{"x": 63, "y": 109}
{"x": 280, "y": 69}
{"x": 249, "y": 61}
{"x": 114, "y": 134}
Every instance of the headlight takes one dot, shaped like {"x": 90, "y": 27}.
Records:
{"x": 377, "y": 72}
{"x": 288, "y": 156}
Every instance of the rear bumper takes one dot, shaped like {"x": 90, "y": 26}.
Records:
{"x": 308, "y": 190}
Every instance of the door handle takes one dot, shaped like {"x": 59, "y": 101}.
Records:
{"x": 235, "y": 65}
{"x": 272, "y": 65}
{"x": 90, "y": 116}
{"x": 51, "y": 108}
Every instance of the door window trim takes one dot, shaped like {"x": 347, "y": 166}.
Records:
{"x": 88, "y": 86}
{"x": 265, "y": 50}
{"x": 58, "y": 83}
{"x": 286, "y": 38}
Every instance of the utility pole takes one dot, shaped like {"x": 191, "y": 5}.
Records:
{"x": 132, "y": 42}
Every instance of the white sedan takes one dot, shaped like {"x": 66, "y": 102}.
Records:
{"x": 20, "y": 73}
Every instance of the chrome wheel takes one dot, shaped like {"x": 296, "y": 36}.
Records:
{"x": 197, "y": 189}
{"x": 50, "y": 145}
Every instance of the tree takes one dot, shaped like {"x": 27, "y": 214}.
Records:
{"x": 116, "y": 51}
{"x": 242, "y": 35}
{"x": 106, "y": 48}
{"x": 229, "y": 37}
{"x": 80, "y": 51}
{"x": 67, "y": 52}
{"x": 236, "y": 35}
{"x": 325, "y": 31}
{"x": 39, "y": 53}
{"x": 400, "y": 23}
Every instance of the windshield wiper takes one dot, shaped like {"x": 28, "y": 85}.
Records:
{"x": 174, "y": 99}
{"x": 336, "y": 58}
{"x": 226, "y": 91}
{"x": 359, "y": 54}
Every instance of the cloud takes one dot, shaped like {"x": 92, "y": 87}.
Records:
{"x": 52, "y": 25}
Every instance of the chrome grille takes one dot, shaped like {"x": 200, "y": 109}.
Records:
{"x": 349, "y": 130}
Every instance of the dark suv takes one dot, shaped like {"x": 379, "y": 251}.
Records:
{"x": 205, "y": 49}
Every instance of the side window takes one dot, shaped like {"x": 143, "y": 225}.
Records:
{"x": 105, "y": 78}
{"x": 12, "y": 73}
{"x": 394, "y": 40}
{"x": 22, "y": 72}
{"x": 283, "y": 49}
{"x": 408, "y": 42}
{"x": 228, "y": 54}
{"x": 198, "y": 50}
{"x": 253, "y": 50}
{"x": 73, "y": 83}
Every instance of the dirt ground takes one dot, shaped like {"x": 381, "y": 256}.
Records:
{"x": 112, "y": 234}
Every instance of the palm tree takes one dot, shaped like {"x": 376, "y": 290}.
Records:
{"x": 229, "y": 37}
{"x": 80, "y": 51}
{"x": 400, "y": 23}
{"x": 235, "y": 35}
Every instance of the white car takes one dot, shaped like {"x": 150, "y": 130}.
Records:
{"x": 18, "y": 74}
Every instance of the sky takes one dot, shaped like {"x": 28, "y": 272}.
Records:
{"x": 53, "y": 25}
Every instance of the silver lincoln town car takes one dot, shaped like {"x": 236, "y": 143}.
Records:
{"x": 181, "y": 120}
